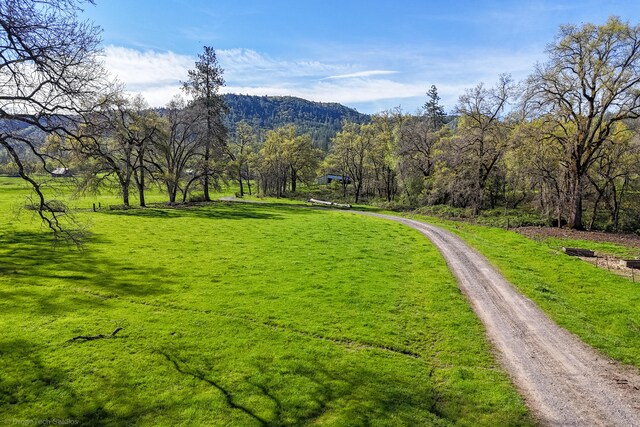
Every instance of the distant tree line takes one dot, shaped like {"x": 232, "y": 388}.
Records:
{"x": 564, "y": 142}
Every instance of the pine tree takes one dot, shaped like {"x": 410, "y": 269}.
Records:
{"x": 433, "y": 110}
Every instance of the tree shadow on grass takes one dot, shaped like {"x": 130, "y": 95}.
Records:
{"x": 51, "y": 274}
{"x": 216, "y": 210}
{"x": 48, "y": 394}
{"x": 305, "y": 391}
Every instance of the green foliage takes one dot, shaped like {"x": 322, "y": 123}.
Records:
{"x": 286, "y": 158}
{"x": 444, "y": 211}
{"x": 509, "y": 218}
{"x": 238, "y": 314}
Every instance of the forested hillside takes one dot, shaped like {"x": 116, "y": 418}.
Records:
{"x": 321, "y": 120}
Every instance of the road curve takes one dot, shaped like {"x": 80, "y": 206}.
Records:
{"x": 564, "y": 381}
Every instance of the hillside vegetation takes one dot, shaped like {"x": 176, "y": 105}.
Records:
{"x": 319, "y": 119}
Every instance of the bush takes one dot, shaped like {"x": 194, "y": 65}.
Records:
{"x": 512, "y": 218}
{"x": 444, "y": 211}
{"x": 393, "y": 205}
{"x": 196, "y": 198}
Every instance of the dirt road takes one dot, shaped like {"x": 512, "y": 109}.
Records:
{"x": 565, "y": 382}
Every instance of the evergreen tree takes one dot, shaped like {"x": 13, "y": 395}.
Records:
{"x": 204, "y": 84}
{"x": 433, "y": 110}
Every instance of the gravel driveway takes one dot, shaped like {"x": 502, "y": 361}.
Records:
{"x": 564, "y": 381}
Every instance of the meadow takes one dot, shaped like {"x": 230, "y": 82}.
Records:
{"x": 238, "y": 314}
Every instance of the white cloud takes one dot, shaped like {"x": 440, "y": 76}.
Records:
{"x": 154, "y": 75}
{"x": 368, "y": 73}
{"x": 146, "y": 68}
{"x": 350, "y": 79}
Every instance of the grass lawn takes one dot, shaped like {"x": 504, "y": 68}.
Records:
{"x": 600, "y": 307}
{"x": 238, "y": 314}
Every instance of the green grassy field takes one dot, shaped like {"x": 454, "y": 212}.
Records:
{"x": 600, "y": 307}
{"x": 238, "y": 314}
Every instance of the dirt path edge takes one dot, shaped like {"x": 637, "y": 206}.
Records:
{"x": 564, "y": 381}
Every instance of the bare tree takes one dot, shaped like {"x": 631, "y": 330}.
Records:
{"x": 482, "y": 134}
{"x": 179, "y": 149}
{"x": 116, "y": 144}
{"x": 50, "y": 78}
{"x": 419, "y": 137}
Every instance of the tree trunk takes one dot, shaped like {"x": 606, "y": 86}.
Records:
{"x": 205, "y": 183}
{"x": 294, "y": 180}
{"x": 595, "y": 211}
{"x": 358, "y": 189}
{"x": 248, "y": 181}
{"x": 171, "y": 191}
{"x": 141, "y": 188}
{"x": 125, "y": 194}
{"x": 344, "y": 186}
{"x": 618, "y": 203}
{"x": 575, "y": 206}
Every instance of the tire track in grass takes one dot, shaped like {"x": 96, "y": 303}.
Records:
{"x": 346, "y": 342}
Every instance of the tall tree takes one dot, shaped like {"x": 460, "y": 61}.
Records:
{"x": 417, "y": 146}
{"x": 204, "y": 84}
{"x": 432, "y": 110}
{"x": 140, "y": 126}
{"x": 350, "y": 150}
{"x": 115, "y": 145}
{"x": 286, "y": 157}
{"x": 178, "y": 149}
{"x": 51, "y": 79}
{"x": 482, "y": 134}
{"x": 388, "y": 127}
{"x": 590, "y": 82}
{"x": 302, "y": 156}
{"x": 273, "y": 168}
{"x": 242, "y": 149}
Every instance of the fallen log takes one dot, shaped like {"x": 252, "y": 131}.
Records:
{"x": 325, "y": 203}
{"x": 579, "y": 252}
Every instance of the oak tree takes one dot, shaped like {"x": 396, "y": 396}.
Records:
{"x": 590, "y": 82}
{"x": 51, "y": 79}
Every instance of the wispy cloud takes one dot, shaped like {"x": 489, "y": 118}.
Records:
{"x": 240, "y": 64}
{"x": 354, "y": 82}
{"x": 353, "y": 92}
{"x": 369, "y": 73}
{"x": 140, "y": 68}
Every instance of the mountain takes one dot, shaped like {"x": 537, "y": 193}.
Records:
{"x": 321, "y": 120}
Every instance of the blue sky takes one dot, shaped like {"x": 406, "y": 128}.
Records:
{"x": 370, "y": 55}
